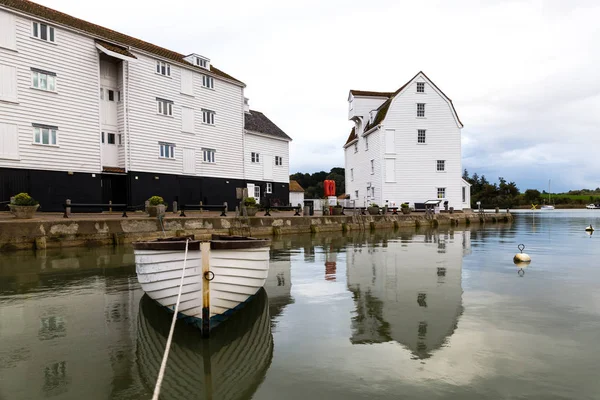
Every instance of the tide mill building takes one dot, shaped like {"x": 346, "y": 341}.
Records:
{"x": 93, "y": 115}
{"x": 405, "y": 146}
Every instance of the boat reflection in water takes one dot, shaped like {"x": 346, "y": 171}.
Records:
{"x": 408, "y": 293}
{"x": 230, "y": 365}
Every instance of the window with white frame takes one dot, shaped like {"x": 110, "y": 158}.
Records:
{"x": 164, "y": 107}
{"x": 269, "y": 188}
{"x": 257, "y": 191}
{"x": 255, "y": 157}
{"x": 43, "y": 80}
{"x": 351, "y": 174}
{"x": 356, "y": 194}
{"x": 464, "y": 194}
{"x": 372, "y": 167}
{"x": 208, "y": 155}
{"x": 45, "y": 134}
{"x": 420, "y": 109}
{"x": 420, "y": 87}
{"x": 278, "y": 160}
{"x": 372, "y": 191}
{"x": 441, "y": 165}
{"x": 42, "y": 31}
{"x": 167, "y": 150}
{"x": 208, "y": 82}
{"x": 366, "y": 143}
{"x": 208, "y": 117}
{"x": 421, "y": 136}
{"x": 356, "y": 147}
{"x": 441, "y": 193}
{"x": 112, "y": 138}
{"x": 201, "y": 62}
{"x": 163, "y": 68}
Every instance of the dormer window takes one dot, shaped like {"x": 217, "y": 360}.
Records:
{"x": 202, "y": 62}
{"x": 420, "y": 87}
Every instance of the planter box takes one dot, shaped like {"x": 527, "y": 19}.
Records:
{"x": 405, "y": 210}
{"x": 373, "y": 210}
{"x": 155, "y": 211}
{"x": 23, "y": 212}
{"x": 251, "y": 211}
{"x": 337, "y": 210}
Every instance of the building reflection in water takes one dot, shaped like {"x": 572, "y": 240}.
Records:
{"x": 230, "y": 365}
{"x": 279, "y": 281}
{"x": 407, "y": 290}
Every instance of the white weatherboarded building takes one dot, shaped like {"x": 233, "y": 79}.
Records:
{"x": 93, "y": 115}
{"x": 405, "y": 146}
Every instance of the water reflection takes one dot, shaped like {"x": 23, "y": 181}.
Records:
{"x": 229, "y": 365}
{"x": 410, "y": 294}
{"x": 279, "y": 281}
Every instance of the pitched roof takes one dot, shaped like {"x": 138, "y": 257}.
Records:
{"x": 383, "y": 109}
{"x": 370, "y": 93}
{"x": 104, "y": 33}
{"x": 295, "y": 187}
{"x": 257, "y": 122}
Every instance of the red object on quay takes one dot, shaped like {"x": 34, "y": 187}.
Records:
{"x": 329, "y": 187}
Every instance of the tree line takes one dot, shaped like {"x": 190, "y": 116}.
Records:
{"x": 313, "y": 183}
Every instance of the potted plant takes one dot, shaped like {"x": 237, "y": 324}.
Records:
{"x": 337, "y": 209}
{"x": 405, "y": 209}
{"x": 250, "y": 204}
{"x": 23, "y": 206}
{"x": 156, "y": 206}
{"x": 373, "y": 209}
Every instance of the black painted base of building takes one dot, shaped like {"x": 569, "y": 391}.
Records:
{"x": 52, "y": 188}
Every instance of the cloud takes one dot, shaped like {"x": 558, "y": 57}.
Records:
{"x": 522, "y": 74}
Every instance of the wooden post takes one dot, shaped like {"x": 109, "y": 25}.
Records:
{"x": 205, "y": 252}
{"x": 68, "y": 209}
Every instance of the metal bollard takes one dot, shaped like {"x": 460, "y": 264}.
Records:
{"x": 68, "y": 209}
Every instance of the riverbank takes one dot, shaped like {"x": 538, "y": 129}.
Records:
{"x": 53, "y": 231}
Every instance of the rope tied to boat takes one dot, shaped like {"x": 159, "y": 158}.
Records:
{"x": 163, "y": 365}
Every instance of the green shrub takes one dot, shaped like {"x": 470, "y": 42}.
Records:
{"x": 250, "y": 202}
{"x": 23, "y": 199}
{"x": 374, "y": 205}
{"x": 404, "y": 205}
{"x": 156, "y": 201}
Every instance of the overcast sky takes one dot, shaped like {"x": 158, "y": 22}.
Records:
{"x": 524, "y": 76}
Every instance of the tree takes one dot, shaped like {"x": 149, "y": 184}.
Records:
{"x": 313, "y": 183}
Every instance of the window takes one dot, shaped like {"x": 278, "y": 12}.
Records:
{"x": 356, "y": 194}
{"x": 351, "y": 174}
{"x": 257, "y": 191}
{"x": 44, "y": 134}
{"x": 269, "y": 188}
{"x": 167, "y": 150}
{"x": 201, "y": 62}
{"x": 421, "y": 136}
{"x": 464, "y": 194}
{"x": 420, "y": 109}
{"x": 208, "y": 117}
{"x": 208, "y": 82}
{"x": 278, "y": 160}
{"x": 43, "y": 80}
{"x": 372, "y": 191}
{"x": 441, "y": 193}
{"x": 420, "y": 87}
{"x": 112, "y": 138}
{"x": 441, "y": 165}
{"x": 164, "y": 107}
{"x": 366, "y": 143}
{"x": 111, "y": 95}
{"x": 43, "y": 32}
{"x": 372, "y": 167}
{"x": 255, "y": 157}
{"x": 356, "y": 147}
{"x": 208, "y": 155}
{"x": 163, "y": 68}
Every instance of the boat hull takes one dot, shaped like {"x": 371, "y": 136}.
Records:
{"x": 238, "y": 275}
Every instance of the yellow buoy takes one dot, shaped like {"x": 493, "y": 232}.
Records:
{"x": 521, "y": 257}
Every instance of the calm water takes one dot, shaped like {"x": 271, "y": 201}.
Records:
{"x": 419, "y": 315}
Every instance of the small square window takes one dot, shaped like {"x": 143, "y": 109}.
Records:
{"x": 42, "y": 31}
{"x": 420, "y": 109}
{"x": 441, "y": 165}
{"x": 167, "y": 150}
{"x": 441, "y": 193}
{"x": 43, "y": 80}
{"x": 208, "y": 117}
{"x": 420, "y": 87}
{"x": 208, "y": 155}
{"x": 111, "y": 95}
{"x": 45, "y": 135}
{"x": 164, "y": 107}
{"x": 163, "y": 68}
{"x": 269, "y": 188}
{"x": 255, "y": 157}
{"x": 421, "y": 136}
{"x": 208, "y": 82}
{"x": 278, "y": 160}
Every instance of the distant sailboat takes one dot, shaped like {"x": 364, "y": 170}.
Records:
{"x": 548, "y": 206}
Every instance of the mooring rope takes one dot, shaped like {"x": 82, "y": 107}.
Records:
{"x": 163, "y": 365}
